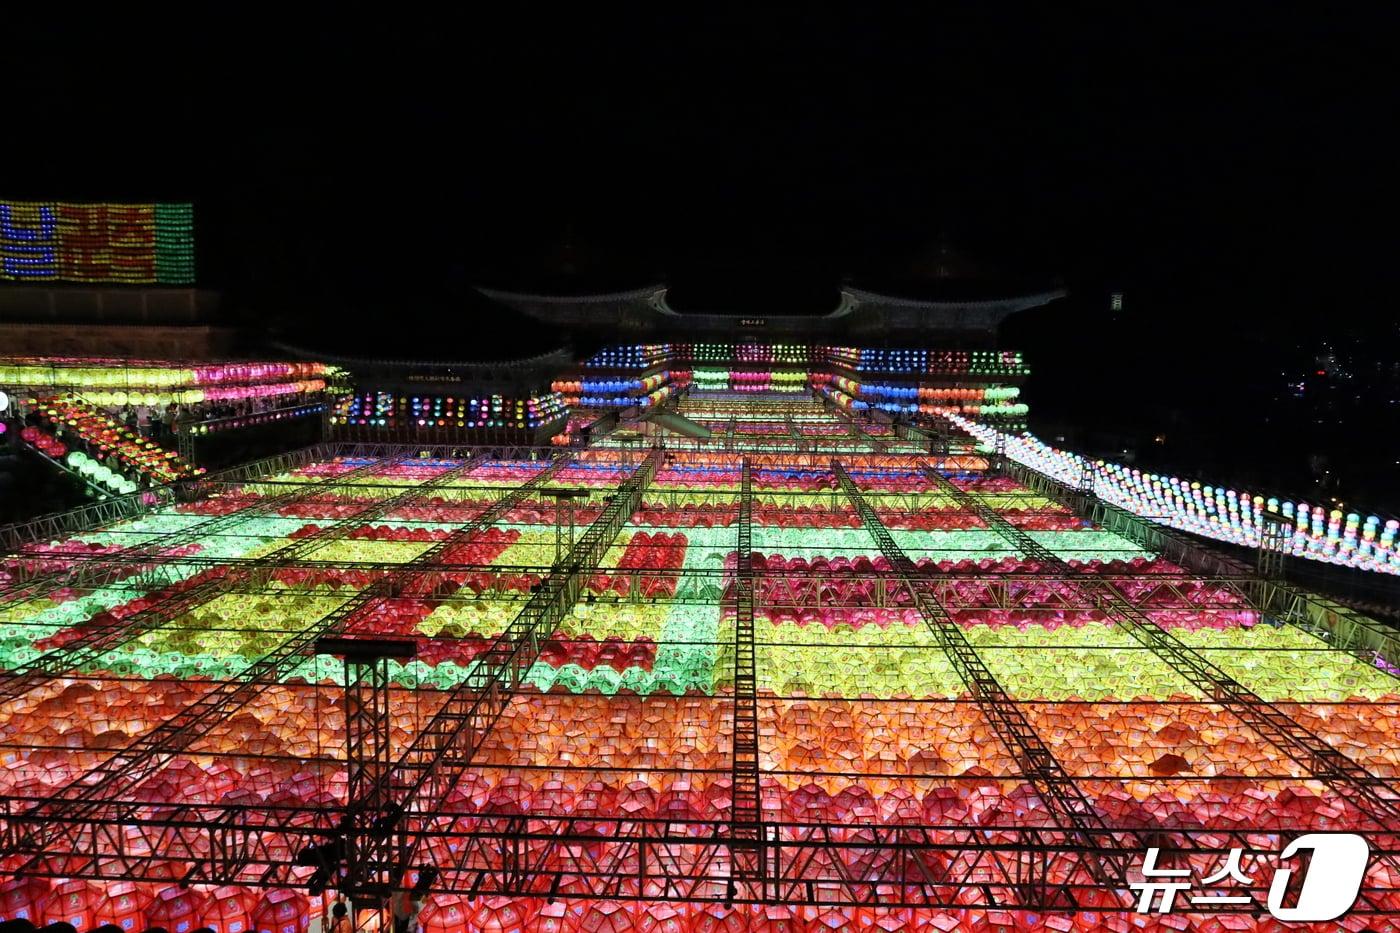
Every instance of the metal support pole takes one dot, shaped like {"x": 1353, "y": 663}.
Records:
{"x": 368, "y": 759}
{"x": 564, "y": 503}
{"x": 1273, "y": 546}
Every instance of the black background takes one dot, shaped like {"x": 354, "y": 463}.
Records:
{"x": 1232, "y": 173}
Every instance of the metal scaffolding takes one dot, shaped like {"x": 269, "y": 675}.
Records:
{"x": 1063, "y": 798}
{"x": 444, "y": 749}
{"x": 1371, "y": 794}
{"x": 401, "y": 814}
{"x": 180, "y": 596}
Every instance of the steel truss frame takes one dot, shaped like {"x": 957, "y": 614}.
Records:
{"x": 367, "y": 732}
{"x": 958, "y": 866}
{"x": 1369, "y": 793}
{"x": 441, "y": 752}
{"x": 1064, "y": 800}
{"x": 746, "y": 808}
{"x": 130, "y": 765}
{"x": 180, "y": 597}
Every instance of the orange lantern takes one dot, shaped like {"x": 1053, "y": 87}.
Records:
{"x": 282, "y": 911}
{"x": 74, "y": 902}
{"x": 22, "y": 898}
{"x": 230, "y": 909}
{"x": 124, "y": 904}
{"x": 177, "y": 909}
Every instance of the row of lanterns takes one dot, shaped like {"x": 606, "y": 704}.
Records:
{"x": 1309, "y": 531}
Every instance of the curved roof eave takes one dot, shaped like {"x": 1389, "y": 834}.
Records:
{"x": 1007, "y": 305}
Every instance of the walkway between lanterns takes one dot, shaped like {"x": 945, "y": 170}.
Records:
{"x": 446, "y": 747}
{"x": 1106, "y": 858}
{"x": 59, "y": 817}
{"x": 1369, "y": 793}
{"x": 181, "y": 595}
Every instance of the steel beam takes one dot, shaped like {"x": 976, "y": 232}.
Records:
{"x": 1064, "y": 800}
{"x": 447, "y": 745}
{"x": 1369, "y": 793}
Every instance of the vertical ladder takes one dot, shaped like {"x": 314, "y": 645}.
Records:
{"x": 747, "y": 809}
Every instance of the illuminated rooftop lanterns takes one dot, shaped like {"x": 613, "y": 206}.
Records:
{"x": 1215, "y": 512}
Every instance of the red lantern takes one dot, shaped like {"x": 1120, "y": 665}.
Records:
{"x": 124, "y": 903}
{"x": 282, "y": 911}
{"x": 22, "y": 898}
{"x": 74, "y": 902}
{"x": 177, "y": 909}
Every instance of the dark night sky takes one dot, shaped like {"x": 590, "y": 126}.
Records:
{"x": 1233, "y": 174}
{"x": 350, "y": 159}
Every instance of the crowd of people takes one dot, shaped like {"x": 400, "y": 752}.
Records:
{"x": 162, "y": 424}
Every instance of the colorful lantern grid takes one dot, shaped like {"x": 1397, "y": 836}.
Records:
{"x": 627, "y": 710}
{"x": 378, "y": 408}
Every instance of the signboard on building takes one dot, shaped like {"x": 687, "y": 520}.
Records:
{"x": 105, "y": 244}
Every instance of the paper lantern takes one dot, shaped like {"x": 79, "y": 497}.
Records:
{"x": 23, "y": 898}
{"x": 495, "y": 914}
{"x": 281, "y": 911}
{"x": 124, "y": 904}
{"x": 443, "y": 913}
{"x": 230, "y": 909}
{"x": 177, "y": 909}
{"x": 73, "y": 901}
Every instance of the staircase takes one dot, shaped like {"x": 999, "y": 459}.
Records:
{"x": 107, "y": 443}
